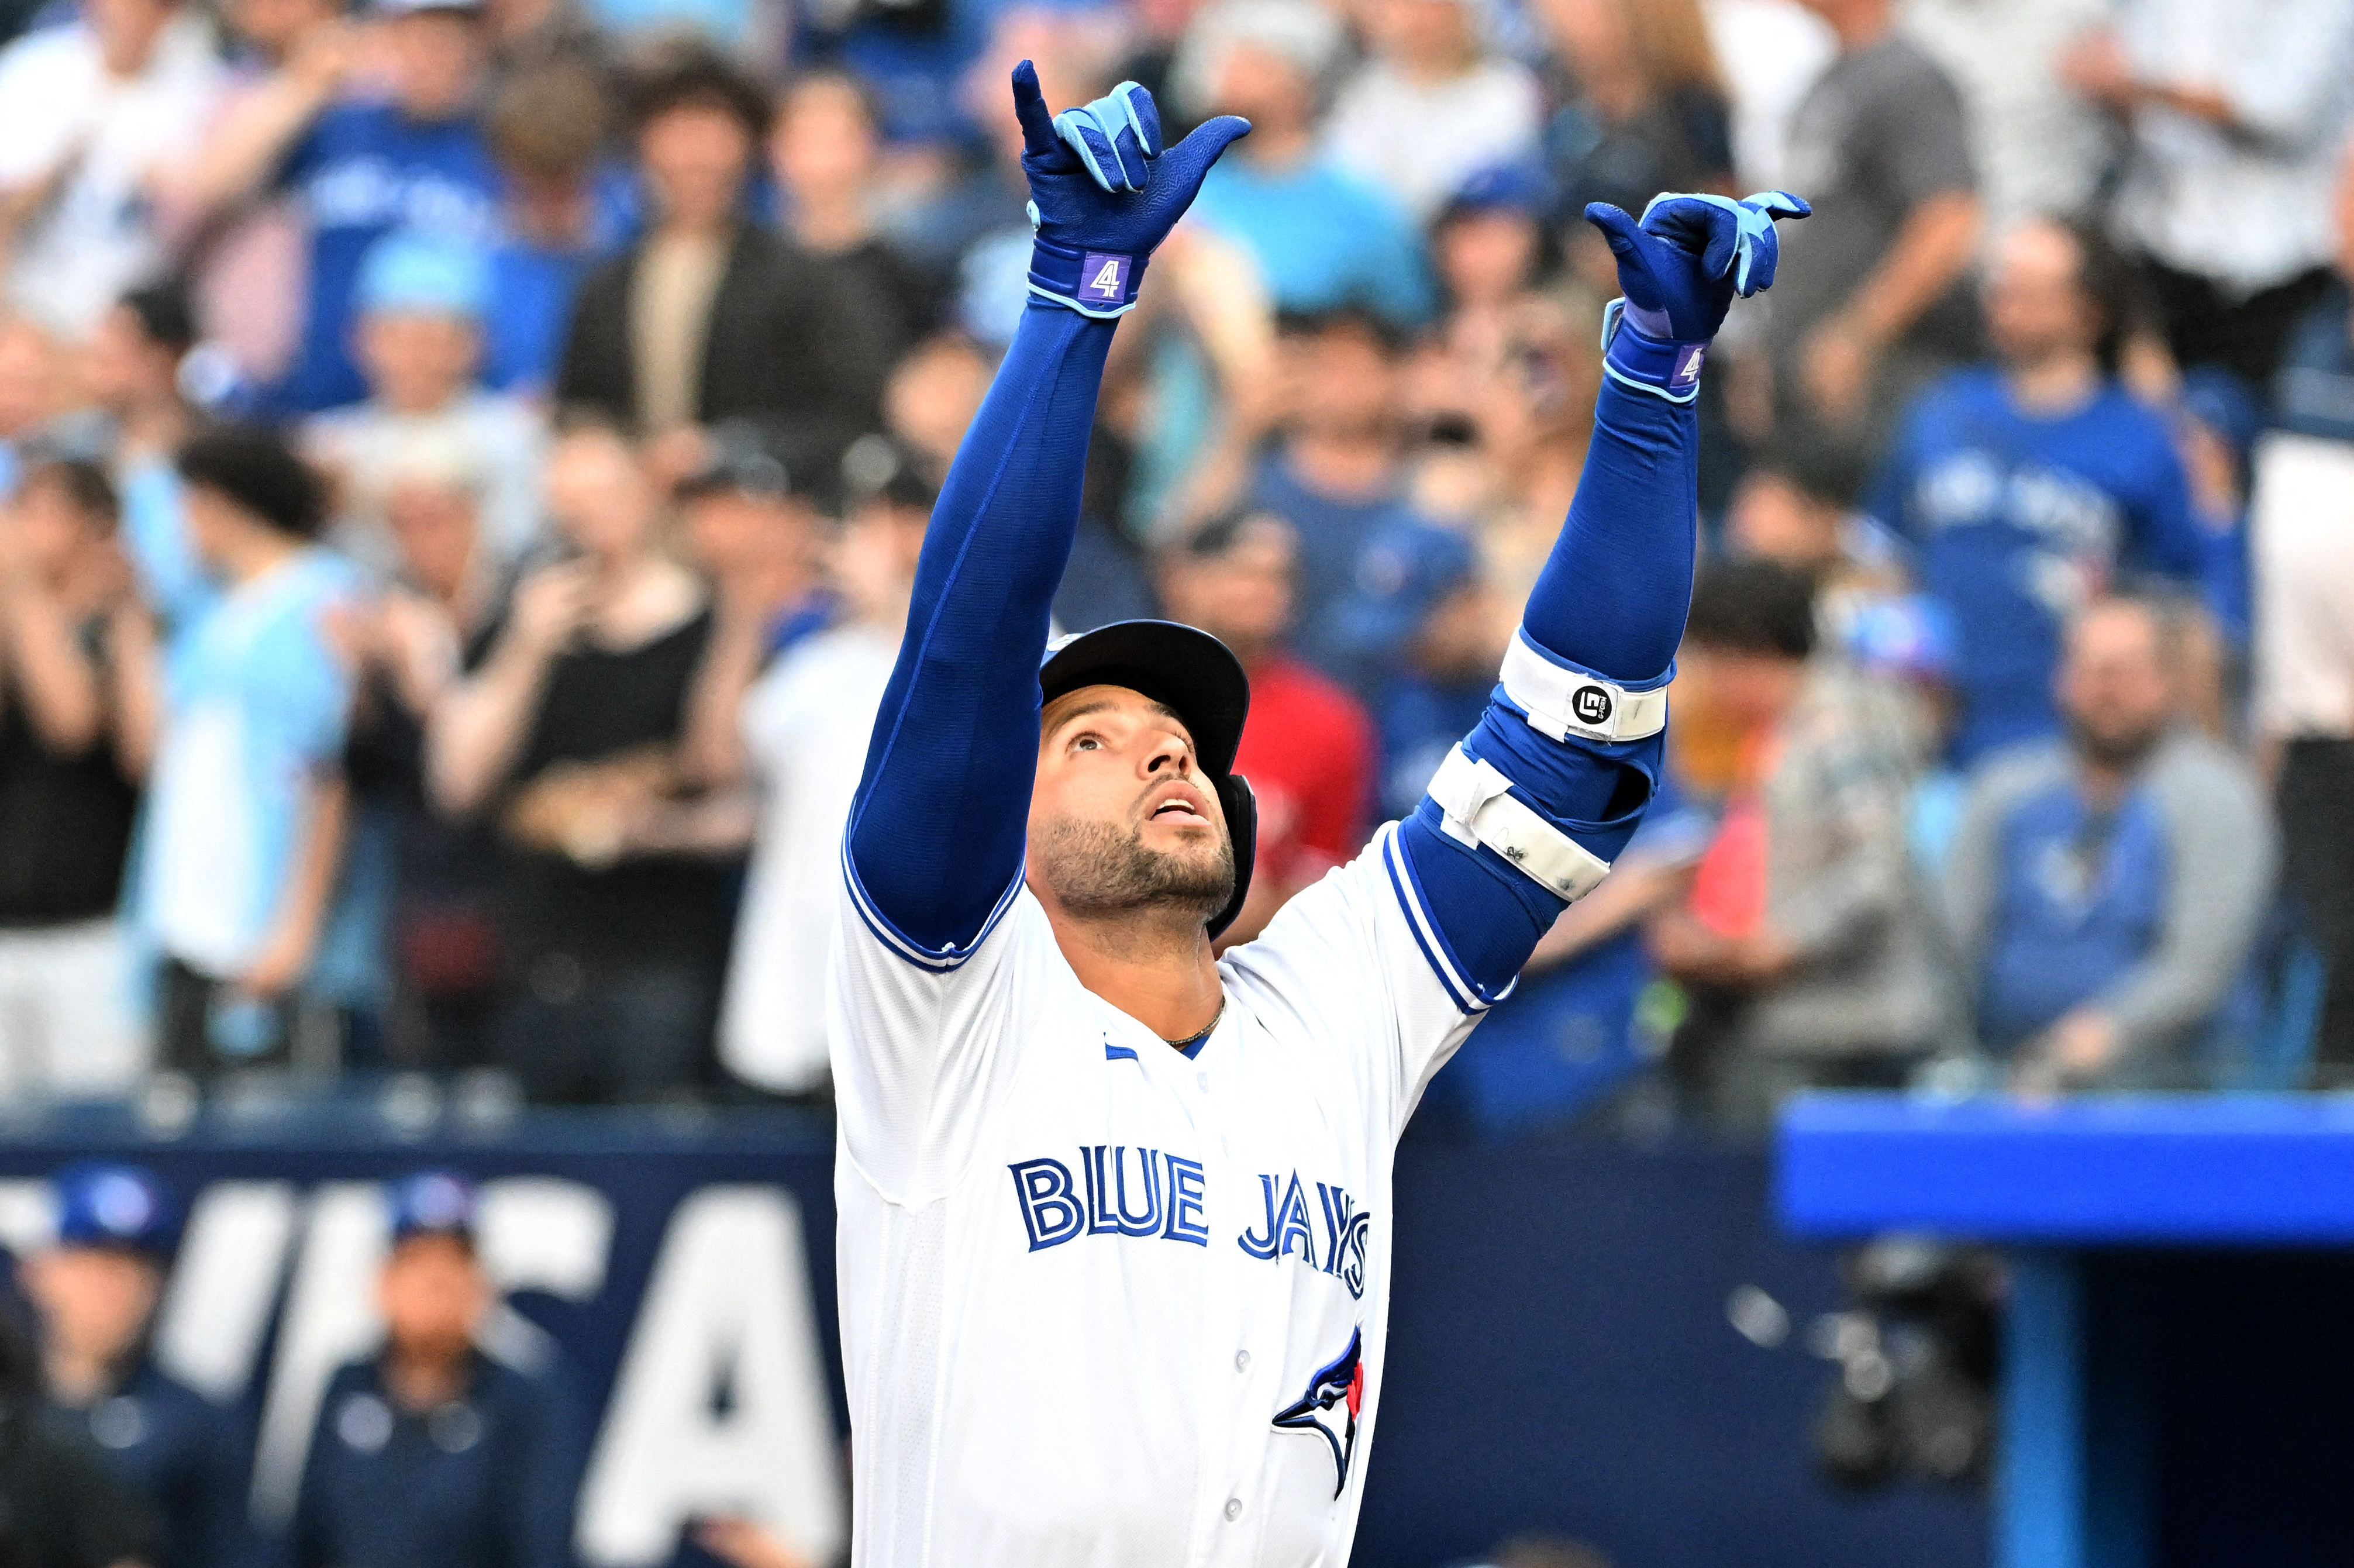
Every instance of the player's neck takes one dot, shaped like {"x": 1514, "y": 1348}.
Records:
{"x": 1163, "y": 975}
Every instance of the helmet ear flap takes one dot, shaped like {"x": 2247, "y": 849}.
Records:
{"x": 1241, "y": 808}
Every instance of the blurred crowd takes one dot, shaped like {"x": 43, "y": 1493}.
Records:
{"x": 465, "y": 461}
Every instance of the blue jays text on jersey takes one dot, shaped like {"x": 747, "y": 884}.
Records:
{"x": 1165, "y": 1201}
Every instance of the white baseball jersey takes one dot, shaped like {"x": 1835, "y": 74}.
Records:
{"x": 1104, "y": 1305}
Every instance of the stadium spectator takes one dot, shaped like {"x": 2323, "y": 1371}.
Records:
{"x": 96, "y": 1289}
{"x": 1880, "y": 146}
{"x": 528, "y": 35}
{"x": 749, "y": 520}
{"x": 2301, "y": 527}
{"x": 2237, "y": 113}
{"x": 1907, "y": 639}
{"x": 89, "y": 114}
{"x": 930, "y": 399}
{"x": 1491, "y": 247}
{"x": 2039, "y": 148}
{"x": 1337, "y": 474}
{"x": 1490, "y": 243}
{"x": 1798, "y": 504}
{"x": 246, "y": 267}
{"x": 805, "y": 725}
{"x": 1435, "y": 607}
{"x": 360, "y": 164}
{"x": 432, "y": 1449}
{"x": 548, "y": 128}
{"x": 422, "y": 300}
{"x": 1322, "y": 237}
{"x": 568, "y": 732}
{"x": 1431, "y": 103}
{"x": 710, "y": 317}
{"x": 1780, "y": 48}
{"x": 78, "y": 699}
{"x": 131, "y": 374}
{"x": 1306, "y": 747}
{"x": 436, "y": 932}
{"x": 2104, "y": 890}
{"x": 1525, "y": 396}
{"x": 1643, "y": 106}
{"x": 137, "y": 420}
{"x": 244, "y": 826}
{"x": 65, "y": 1506}
{"x": 826, "y": 154}
{"x": 2029, "y": 484}
{"x": 1806, "y": 944}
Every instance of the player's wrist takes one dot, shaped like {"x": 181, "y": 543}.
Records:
{"x": 1642, "y": 349}
{"x": 1094, "y": 282}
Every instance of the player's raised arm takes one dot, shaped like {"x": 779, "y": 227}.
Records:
{"x": 935, "y": 844}
{"x": 1528, "y": 810}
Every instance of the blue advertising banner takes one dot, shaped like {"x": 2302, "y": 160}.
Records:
{"x": 1562, "y": 1358}
{"x": 682, "y": 1270}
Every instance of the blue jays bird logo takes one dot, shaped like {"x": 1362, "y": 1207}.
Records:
{"x": 1330, "y": 1408}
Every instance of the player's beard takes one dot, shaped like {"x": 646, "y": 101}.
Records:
{"x": 1099, "y": 871}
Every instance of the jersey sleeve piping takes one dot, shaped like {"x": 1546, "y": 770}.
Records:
{"x": 1468, "y": 995}
{"x": 944, "y": 960}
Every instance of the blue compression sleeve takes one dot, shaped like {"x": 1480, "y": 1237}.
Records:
{"x": 936, "y": 829}
{"x": 1613, "y": 592}
{"x": 1610, "y": 602}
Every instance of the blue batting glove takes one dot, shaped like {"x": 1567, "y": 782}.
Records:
{"x": 1103, "y": 192}
{"x": 1680, "y": 267}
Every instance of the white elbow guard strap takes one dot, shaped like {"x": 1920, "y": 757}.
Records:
{"x": 1479, "y": 808}
{"x": 1561, "y": 703}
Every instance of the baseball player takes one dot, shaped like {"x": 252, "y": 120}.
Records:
{"x": 1114, "y": 1215}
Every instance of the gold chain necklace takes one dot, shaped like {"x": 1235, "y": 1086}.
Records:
{"x": 1196, "y": 1039}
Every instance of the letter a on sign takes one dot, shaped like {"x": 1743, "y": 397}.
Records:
{"x": 728, "y": 1303}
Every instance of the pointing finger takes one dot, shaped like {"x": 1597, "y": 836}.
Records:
{"x": 1030, "y": 108}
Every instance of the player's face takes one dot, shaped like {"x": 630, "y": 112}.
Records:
{"x": 1121, "y": 820}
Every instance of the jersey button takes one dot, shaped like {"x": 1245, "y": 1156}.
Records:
{"x": 1242, "y": 1360}
{"x": 1234, "y": 1509}
{"x": 1202, "y": 1082}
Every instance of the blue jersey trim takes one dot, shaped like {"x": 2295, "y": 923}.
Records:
{"x": 939, "y": 960}
{"x": 1468, "y": 995}
{"x": 1119, "y": 1053}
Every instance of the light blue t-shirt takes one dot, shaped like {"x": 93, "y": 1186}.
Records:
{"x": 255, "y": 703}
